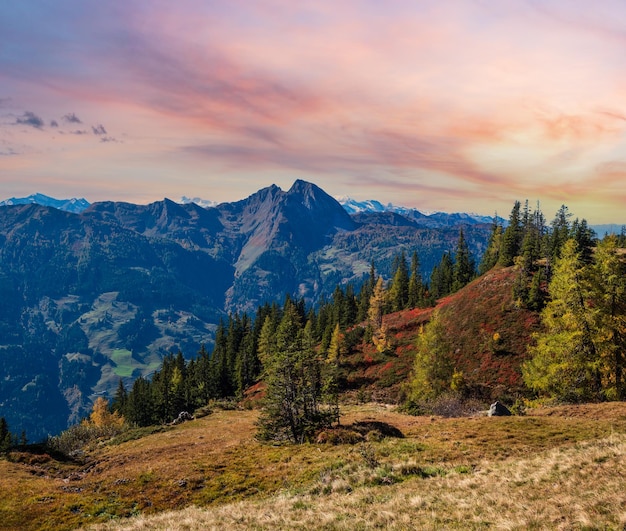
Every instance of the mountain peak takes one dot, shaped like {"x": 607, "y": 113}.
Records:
{"x": 73, "y": 205}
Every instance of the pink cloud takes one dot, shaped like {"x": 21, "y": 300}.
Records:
{"x": 465, "y": 98}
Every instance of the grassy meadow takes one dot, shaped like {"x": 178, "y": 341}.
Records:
{"x": 554, "y": 468}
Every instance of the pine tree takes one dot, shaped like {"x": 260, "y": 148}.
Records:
{"x": 141, "y": 409}
{"x": 120, "y": 399}
{"x": 442, "y": 277}
{"x": 365, "y": 294}
{"x": 463, "y": 271}
{"x": 417, "y": 289}
{"x": 292, "y": 374}
{"x": 399, "y": 290}
{"x": 248, "y": 366}
{"x": 560, "y": 233}
{"x": 512, "y": 238}
{"x": 585, "y": 239}
{"x": 492, "y": 254}
{"x": 6, "y": 439}
{"x": 220, "y": 363}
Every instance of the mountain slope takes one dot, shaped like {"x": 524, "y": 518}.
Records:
{"x": 471, "y": 317}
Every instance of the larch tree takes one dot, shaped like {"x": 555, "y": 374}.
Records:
{"x": 564, "y": 361}
{"x": 608, "y": 277}
{"x": 433, "y": 368}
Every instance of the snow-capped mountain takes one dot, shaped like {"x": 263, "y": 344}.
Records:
{"x": 69, "y": 205}
{"x": 204, "y": 203}
{"x": 353, "y": 206}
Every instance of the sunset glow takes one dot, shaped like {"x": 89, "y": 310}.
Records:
{"x": 455, "y": 106}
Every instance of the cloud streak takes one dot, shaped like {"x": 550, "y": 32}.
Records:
{"x": 428, "y": 101}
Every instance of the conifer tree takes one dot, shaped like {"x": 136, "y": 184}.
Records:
{"x": 141, "y": 408}
{"x": 511, "y": 238}
{"x": 433, "y": 367}
{"x": 608, "y": 278}
{"x": 492, "y": 254}
{"x": 564, "y": 362}
{"x": 585, "y": 239}
{"x": 292, "y": 373}
{"x": 120, "y": 399}
{"x": 6, "y": 439}
{"x": 464, "y": 269}
{"x": 416, "y": 284}
{"x": 377, "y": 305}
{"x": 560, "y": 233}
{"x": 442, "y": 277}
{"x": 399, "y": 290}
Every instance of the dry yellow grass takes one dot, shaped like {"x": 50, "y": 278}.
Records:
{"x": 582, "y": 486}
{"x": 561, "y": 466}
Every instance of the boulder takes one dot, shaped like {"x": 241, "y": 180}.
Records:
{"x": 498, "y": 409}
{"x": 183, "y": 416}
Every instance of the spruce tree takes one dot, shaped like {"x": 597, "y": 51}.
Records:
{"x": 442, "y": 277}
{"x": 120, "y": 398}
{"x": 416, "y": 284}
{"x": 512, "y": 238}
{"x": 399, "y": 290}
{"x": 6, "y": 439}
{"x": 292, "y": 374}
{"x": 492, "y": 253}
{"x": 464, "y": 269}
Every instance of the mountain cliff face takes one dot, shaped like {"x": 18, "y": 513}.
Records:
{"x": 88, "y": 298}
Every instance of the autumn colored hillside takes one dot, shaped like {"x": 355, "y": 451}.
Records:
{"x": 487, "y": 334}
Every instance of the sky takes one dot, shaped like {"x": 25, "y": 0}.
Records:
{"x": 462, "y": 105}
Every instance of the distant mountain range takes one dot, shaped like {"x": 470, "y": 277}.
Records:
{"x": 351, "y": 206}
{"x": 68, "y": 205}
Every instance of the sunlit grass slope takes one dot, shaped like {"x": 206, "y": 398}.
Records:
{"x": 559, "y": 467}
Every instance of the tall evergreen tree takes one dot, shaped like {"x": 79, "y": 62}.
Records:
{"x": 560, "y": 233}
{"x": 140, "y": 408}
{"x": 442, "y": 277}
{"x": 6, "y": 439}
{"x": 464, "y": 269}
{"x": 417, "y": 290}
{"x": 292, "y": 373}
{"x": 512, "y": 238}
{"x": 492, "y": 253}
{"x": 585, "y": 239}
{"x": 120, "y": 398}
{"x": 399, "y": 290}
